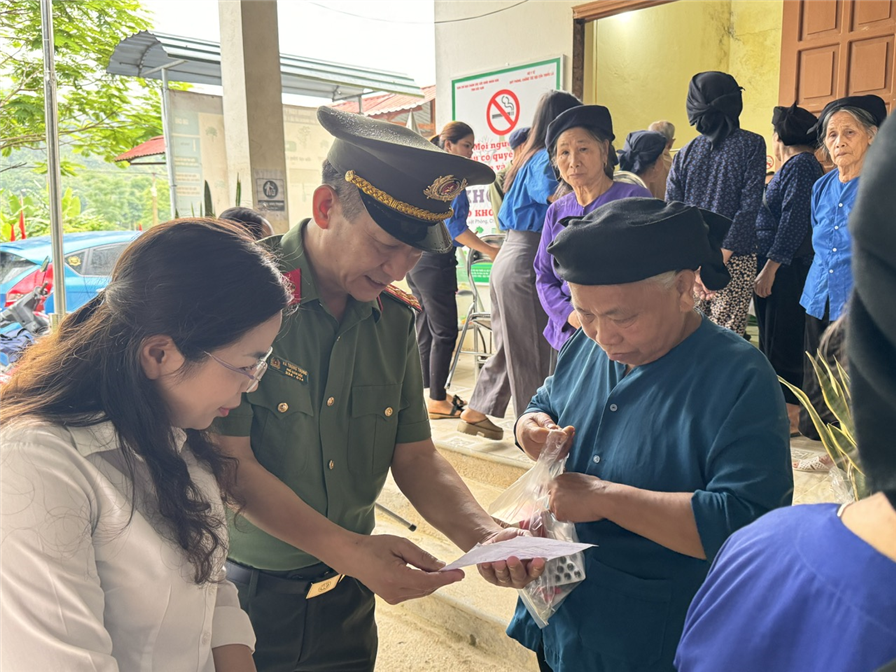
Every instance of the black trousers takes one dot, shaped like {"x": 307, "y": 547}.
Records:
{"x": 782, "y": 322}
{"x": 434, "y": 282}
{"x": 834, "y": 352}
{"x": 333, "y": 632}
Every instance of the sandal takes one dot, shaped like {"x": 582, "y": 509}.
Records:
{"x": 485, "y": 428}
{"x": 457, "y": 407}
{"x": 816, "y": 463}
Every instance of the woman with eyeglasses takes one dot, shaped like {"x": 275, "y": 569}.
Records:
{"x": 112, "y": 526}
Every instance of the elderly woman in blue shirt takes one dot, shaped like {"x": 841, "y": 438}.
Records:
{"x": 846, "y": 129}
{"x": 680, "y": 434}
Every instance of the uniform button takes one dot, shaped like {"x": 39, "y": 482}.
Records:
{"x": 596, "y": 459}
{"x": 206, "y": 638}
{"x": 332, "y": 464}
{"x": 831, "y": 271}
{"x": 839, "y": 205}
{"x": 834, "y": 249}
{"x": 836, "y": 227}
{"x": 388, "y": 411}
{"x": 331, "y": 401}
{"x": 613, "y": 407}
{"x": 283, "y": 407}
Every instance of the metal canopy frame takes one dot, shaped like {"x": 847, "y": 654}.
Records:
{"x": 184, "y": 59}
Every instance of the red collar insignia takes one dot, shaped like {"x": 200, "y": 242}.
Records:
{"x": 295, "y": 277}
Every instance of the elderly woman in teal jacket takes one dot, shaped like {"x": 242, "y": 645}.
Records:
{"x": 680, "y": 434}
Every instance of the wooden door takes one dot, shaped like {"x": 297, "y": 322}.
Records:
{"x": 836, "y": 48}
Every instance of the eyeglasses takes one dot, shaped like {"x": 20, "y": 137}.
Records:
{"x": 253, "y": 373}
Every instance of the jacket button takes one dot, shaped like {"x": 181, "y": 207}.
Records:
{"x": 283, "y": 407}
{"x": 331, "y": 401}
{"x": 388, "y": 411}
{"x": 332, "y": 464}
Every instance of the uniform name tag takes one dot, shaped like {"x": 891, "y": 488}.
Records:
{"x": 322, "y": 587}
{"x": 288, "y": 369}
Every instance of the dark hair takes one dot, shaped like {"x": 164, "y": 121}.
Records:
{"x": 454, "y": 132}
{"x": 248, "y": 218}
{"x": 549, "y": 108}
{"x": 89, "y": 371}
{"x": 349, "y": 196}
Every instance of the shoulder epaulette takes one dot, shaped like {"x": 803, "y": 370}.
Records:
{"x": 403, "y": 297}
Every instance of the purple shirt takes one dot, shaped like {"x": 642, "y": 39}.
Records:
{"x": 552, "y": 291}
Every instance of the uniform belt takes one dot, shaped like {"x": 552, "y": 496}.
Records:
{"x": 308, "y": 581}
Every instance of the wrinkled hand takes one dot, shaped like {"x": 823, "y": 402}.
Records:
{"x": 574, "y": 320}
{"x": 532, "y": 432}
{"x": 512, "y": 573}
{"x": 763, "y": 283}
{"x": 395, "y": 569}
{"x": 575, "y": 497}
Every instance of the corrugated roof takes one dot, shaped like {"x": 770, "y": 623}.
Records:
{"x": 388, "y": 103}
{"x": 152, "y": 147}
{"x": 199, "y": 62}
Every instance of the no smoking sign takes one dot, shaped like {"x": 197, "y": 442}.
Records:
{"x": 503, "y": 112}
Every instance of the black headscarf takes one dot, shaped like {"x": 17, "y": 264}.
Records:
{"x": 714, "y": 105}
{"x": 641, "y": 149}
{"x": 873, "y": 105}
{"x": 871, "y": 330}
{"x": 795, "y": 125}
{"x": 633, "y": 239}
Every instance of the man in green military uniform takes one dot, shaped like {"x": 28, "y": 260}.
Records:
{"x": 342, "y": 404}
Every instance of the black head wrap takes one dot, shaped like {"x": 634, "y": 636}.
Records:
{"x": 795, "y": 125}
{"x": 634, "y": 239}
{"x": 714, "y": 105}
{"x": 641, "y": 149}
{"x": 596, "y": 117}
{"x": 873, "y": 105}
{"x": 871, "y": 328}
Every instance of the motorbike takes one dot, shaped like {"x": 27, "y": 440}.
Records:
{"x": 32, "y": 323}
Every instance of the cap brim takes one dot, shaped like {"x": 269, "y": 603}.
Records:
{"x": 422, "y": 235}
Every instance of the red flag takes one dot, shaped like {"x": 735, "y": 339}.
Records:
{"x": 139, "y": 227}
{"x": 22, "y": 224}
{"x": 12, "y": 232}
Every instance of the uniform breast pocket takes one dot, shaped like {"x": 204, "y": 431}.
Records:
{"x": 373, "y": 427}
{"x": 283, "y": 406}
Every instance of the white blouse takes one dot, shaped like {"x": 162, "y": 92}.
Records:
{"x": 85, "y": 585}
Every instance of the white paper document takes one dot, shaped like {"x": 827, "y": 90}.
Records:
{"x": 524, "y": 548}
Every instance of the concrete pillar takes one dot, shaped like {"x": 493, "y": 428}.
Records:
{"x": 253, "y": 108}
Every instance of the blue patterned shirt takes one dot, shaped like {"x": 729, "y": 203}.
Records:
{"x": 727, "y": 180}
{"x": 830, "y": 276}
{"x": 782, "y": 227}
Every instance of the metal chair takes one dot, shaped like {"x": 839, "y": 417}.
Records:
{"x": 477, "y": 317}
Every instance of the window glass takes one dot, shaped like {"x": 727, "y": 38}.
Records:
{"x": 102, "y": 260}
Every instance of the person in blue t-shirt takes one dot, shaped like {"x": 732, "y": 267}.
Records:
{"x": 434, "y": 282}
{"x": 814, "y": 587}
{"x": 679, "y": 434}
{"x": 522, "y": 357}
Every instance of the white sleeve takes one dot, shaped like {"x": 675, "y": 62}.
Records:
{"x": 230, "y": 624}
{"x": 51, "y": 614}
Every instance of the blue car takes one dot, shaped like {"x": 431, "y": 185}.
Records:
{"x": 89, "y": 259}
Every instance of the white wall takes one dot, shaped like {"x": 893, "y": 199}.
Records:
{"x": 534, "y": 31}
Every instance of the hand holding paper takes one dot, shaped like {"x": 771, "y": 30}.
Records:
{"x": 522, "y": 547}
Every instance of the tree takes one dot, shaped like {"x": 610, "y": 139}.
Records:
{"x": 99, "y": 114}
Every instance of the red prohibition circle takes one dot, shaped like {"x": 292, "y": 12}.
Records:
{"x": 500, "y": 120}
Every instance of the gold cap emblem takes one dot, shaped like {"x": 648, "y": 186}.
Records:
{"x": 445, "y": 188}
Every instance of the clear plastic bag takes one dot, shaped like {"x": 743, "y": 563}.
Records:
{"x": 525, "y": 505}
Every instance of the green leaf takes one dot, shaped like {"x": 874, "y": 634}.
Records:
{"x": 209, "y": 206}
{"x": 821, "y": 427}
{"x": 833, "y": 395}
